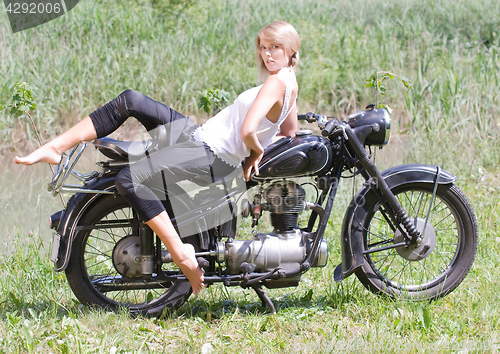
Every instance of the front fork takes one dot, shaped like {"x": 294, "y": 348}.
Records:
{"x": 398, "y": 215}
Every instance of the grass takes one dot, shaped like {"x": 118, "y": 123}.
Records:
{"x": 87, "y": 57}
{"x": 449, "y": 50}
{"x": 40, "y": 314}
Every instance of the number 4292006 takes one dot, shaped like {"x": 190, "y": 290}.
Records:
{"x": 32, "y": 8}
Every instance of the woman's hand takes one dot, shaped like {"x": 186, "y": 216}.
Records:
{"x": 252, "y": 162}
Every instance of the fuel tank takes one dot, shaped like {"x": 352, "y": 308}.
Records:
{"x": 304, "y": 155}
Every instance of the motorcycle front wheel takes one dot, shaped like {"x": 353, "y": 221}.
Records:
{"x": 108, "y": 229}
{"x": 435, "y": 266}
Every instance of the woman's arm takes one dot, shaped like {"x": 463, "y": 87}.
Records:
{"x": 289, "y": 126}
{"x": 268, "y": 98}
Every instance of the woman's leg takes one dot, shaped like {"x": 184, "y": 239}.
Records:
{"x": 130, "y": 103}
{"x": 182, "y": 253}
{"x": 52, "y": 151}
{"x": 106, "y": 120}
{"x": 142, "y": 185}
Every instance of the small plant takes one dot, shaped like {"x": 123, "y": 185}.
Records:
{"x": 22, "y": 103}
{"x": 376, "y": 81}
{"x": 218, "y": 98}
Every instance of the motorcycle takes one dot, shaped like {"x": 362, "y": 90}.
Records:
{"x": 409, "y": 232}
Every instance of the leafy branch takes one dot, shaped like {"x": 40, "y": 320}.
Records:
{"x": 376, "y": 80}
{"x": 218, "y": 98}
{"x": 22, "y": 103}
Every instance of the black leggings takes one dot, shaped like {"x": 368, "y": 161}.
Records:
{"x": 143, "y": 182}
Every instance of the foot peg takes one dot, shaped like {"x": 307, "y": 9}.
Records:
{"x": 247, "y": 268}
{"x": 202, "y": 262}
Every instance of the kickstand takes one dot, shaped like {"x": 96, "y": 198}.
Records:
{"x": 264, "y": 298}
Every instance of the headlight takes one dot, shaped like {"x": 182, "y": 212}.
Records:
{"x": 377, "y": 118}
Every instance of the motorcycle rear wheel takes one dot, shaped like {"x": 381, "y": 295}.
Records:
{"x": 92, "y": 274}
{"x": 436, "y": 266}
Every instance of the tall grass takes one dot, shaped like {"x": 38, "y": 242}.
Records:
{"x": 448, "y": 49}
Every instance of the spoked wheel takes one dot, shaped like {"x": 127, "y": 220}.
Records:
{"x": 104, "y": 268}
{"x": 432, "y": 268}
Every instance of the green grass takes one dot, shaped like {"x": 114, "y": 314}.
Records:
{"x": 40, "y": 314}
{"x": 448, "y": 49}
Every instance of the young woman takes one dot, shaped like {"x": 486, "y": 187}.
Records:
{"x": 242, "y": 130}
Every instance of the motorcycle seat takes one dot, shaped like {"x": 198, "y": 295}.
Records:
{"x": 132, "y": 150}
{"x": 123, "y": 150}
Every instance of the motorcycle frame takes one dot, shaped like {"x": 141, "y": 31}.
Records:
{"x": 352, "y": 247}
{"x": 85, "y": 197}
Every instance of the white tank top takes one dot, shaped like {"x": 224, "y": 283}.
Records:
{"x": 222, "y": 132}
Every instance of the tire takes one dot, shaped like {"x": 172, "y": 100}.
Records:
{"x": 91, "y": 271}
{"x": 440, "y": 263}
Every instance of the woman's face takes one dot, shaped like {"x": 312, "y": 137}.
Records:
{"x": 273, "y": 55}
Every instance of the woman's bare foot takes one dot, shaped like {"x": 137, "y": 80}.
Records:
{"x": 52, "y": 151}
{"x": 191, "y": 269}
{"x": 46, "y": 153}
{"x": 183, "y": 254}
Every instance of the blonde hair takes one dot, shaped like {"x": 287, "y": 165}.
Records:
{"x": 283, "y": 33}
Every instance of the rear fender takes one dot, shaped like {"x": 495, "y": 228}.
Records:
{"x": 75, "y": 208}
{"x": 352, "y": 227}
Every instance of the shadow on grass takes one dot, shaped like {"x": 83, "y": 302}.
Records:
{"x": 334, "y": 296}
{"x": 55, "y": 300}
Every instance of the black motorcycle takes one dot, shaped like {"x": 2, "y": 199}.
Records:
{"x": 408, "y": 233}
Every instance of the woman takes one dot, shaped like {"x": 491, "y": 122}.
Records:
{"x": 242, "y": 130}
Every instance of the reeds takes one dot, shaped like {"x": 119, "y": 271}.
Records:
{"x": 448, "y": 49}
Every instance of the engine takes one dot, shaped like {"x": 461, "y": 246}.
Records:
{"x": 286, "y": 247}
{"x": 285, "y": 202}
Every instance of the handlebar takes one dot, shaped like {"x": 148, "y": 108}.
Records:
{"x": 310, "y": 117}
{"x": 327, "y": 126}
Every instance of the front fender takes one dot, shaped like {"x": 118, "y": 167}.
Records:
{"x": 352, "y": 226}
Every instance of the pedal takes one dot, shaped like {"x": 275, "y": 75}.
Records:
{"x": 247, "y": 267}
{"x": 202, "y": 262}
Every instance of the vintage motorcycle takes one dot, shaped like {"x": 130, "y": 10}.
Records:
{"x": 408, "y": 232}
